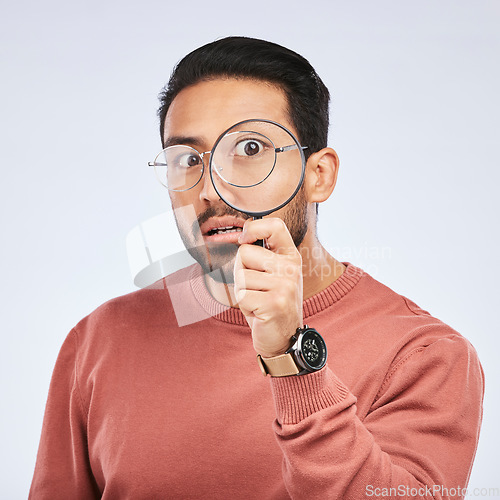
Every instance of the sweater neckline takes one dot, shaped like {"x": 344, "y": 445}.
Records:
{"x": 313, "y": 305}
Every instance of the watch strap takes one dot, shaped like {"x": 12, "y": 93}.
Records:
{"x": 278, "y": 366}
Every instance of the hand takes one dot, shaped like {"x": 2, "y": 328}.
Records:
{"x": 268, "y": 285}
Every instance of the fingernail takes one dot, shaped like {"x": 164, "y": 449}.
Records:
{"x": 243, "y": 233}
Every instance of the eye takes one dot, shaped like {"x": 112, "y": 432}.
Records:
{"x": 187, "y": 160}
{"x": 248, "y": 147}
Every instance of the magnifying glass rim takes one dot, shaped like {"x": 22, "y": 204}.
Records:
{"x": 302, "y": 157}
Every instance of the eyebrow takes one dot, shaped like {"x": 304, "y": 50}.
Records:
{"x": 177, "y": 140}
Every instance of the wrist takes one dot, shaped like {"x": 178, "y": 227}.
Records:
{"x": 276, "y": 350}
{"x": 306, "y": 354}
{"x": 273, "y": 354}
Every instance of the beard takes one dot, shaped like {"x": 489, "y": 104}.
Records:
{"x": 217, "y": 260}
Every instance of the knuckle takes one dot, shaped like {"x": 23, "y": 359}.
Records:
{"x": 280, "y": 301}
{"x": 243, "y": 251}
{"x": 240, "y": 295}
{"x": 268, "y": 265}
{"x": 276, "y": 224}
{"x": 239, "y": 279}
{"x": 289, "y": 267}
{"x": 280, "y": 223}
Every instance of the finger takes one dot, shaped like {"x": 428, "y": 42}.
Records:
{"x": 248, "y": 279}
{"x": 254, "y": 257}
{"x": 273, "y": 230}
{"x": 263, "y": 305}
{"x": 251, "y": 302}
{"x": 267, "y": 262}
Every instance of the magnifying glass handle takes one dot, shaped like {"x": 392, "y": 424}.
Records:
{"x": 259, "y": 243}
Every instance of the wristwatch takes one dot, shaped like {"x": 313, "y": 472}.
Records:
{"x": 306, "y": 355}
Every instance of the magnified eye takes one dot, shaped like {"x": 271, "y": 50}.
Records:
{"x": 248, "y": 147}
{"x": 187, "y": 160}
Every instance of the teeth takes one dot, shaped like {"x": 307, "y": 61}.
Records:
{"x": 224, "y": 230}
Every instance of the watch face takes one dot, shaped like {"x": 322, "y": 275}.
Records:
{"x": 313, "y": 350}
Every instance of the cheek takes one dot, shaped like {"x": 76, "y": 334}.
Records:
{"x": 184, "y": 212}
{"x": 182, "y": 199}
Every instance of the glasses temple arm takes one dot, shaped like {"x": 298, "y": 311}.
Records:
{"x": 288, "y": 148}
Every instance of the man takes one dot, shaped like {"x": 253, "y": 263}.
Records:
{"x": 140, "y": 407}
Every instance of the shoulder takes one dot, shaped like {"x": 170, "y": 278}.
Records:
{"x": 135, "y": 313}
{"x": 414, "y": 346}
{"x": 403, "y": 328}
{"x": 392, "y": 312}
{"x": 125, "y": 309}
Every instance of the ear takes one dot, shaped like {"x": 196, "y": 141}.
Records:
{"x": 321, "y": 175}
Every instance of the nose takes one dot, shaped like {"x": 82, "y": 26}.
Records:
{"x": 207, "y": 193}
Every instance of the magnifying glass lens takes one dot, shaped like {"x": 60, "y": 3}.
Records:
{"x": 244, "y": 158}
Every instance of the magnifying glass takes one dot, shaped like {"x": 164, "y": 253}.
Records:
{"x": 257, "y": 166}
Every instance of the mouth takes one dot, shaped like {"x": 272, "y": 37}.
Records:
{"x": 222, "y": 230}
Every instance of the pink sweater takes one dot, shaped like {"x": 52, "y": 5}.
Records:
{"x": 140, "y": 408}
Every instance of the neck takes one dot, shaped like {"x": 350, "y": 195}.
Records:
{"x": 319, "y": 270}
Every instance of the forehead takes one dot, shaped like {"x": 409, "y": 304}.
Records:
{"x": 206, "y": 109}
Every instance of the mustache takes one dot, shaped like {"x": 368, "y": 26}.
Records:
{"x": 217, "y": 212}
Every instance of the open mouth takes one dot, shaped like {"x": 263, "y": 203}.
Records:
{"x": 224, "y": 230}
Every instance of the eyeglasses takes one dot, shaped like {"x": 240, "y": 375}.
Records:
{"x": 241, "y": 158}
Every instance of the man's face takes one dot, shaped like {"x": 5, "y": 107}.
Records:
{"x": 196, "y": 118}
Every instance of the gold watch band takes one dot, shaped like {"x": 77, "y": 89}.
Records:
{"x": 278, "y": 366}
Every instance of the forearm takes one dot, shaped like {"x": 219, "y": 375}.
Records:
{"x": 330, "y": 453}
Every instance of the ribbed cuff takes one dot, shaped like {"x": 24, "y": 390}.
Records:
{"x": 297, "y": 397}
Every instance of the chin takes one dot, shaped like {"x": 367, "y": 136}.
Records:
{"x": 216, "y": 261}
{"x": 223, "y": 275}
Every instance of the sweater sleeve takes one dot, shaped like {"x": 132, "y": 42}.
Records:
{"x": 418, "y": 439}
{"x": 62, "y": 467}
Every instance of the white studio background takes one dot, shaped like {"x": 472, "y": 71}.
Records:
{"x": 415, "y": 120}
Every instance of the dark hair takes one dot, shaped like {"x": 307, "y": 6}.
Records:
{"x": 242, "y": 57}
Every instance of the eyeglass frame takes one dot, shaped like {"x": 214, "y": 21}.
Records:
{"x": 211, "y": 167}
{"x": 201, "y": 155}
